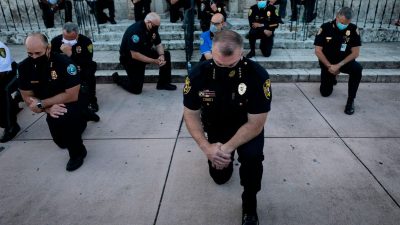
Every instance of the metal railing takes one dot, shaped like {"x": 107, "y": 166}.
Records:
{"x": 26, "y": 15}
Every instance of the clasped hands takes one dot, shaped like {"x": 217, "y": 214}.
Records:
{"x": 54, "y": 111}
{"x": 334, "y": 69}
{"x": 160, "y": 61}
{"x": 218, "y": 158}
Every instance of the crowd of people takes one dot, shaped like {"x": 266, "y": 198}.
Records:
{"x": 227, "y": 96}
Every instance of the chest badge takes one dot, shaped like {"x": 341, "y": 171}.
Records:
{"x": 347, "y": 33}
{"x": 78, "y": 49}
{"x": 154, "y": 36}
{"x": 242, "y": 88}
{"x": 54, "y": 75}
{"x": 268, "y": 13}
{"x": 232, "y": 73}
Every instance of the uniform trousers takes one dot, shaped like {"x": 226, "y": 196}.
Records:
{"x": 251, "y": 168}
{"x": 8, "y": 107}
{"x": 353, "y": 68}
{"x": 142, "y": 8}
{"x": 266, "y": 43}
{"x": 99, "y": 10}
{"x": 88, "y": 80}
{"x": 48, "y": 13}
{"x": 136, "y": 69}
{"x": 67, "y": 130}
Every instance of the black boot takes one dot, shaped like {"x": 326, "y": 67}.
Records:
{"x": 349, "y": 110}
{"x": 10, "y": 133}
{"x": 250, "y": 219}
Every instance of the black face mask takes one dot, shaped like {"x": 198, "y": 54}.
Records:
{"x": 226, "y": 70}
{"x": 154, "y": 29}
{"x": 41, "y": 60}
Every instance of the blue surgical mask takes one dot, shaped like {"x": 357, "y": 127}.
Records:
{"x": 213, "y": 28}
{"x": 261, "y": 4}
{"x": 341, "y": 26}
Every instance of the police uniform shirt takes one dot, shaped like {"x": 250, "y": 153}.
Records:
{"x": 267, "y": 16}
{"x": 50, "y": 78}
{"x": 206, "y": 42}
{"x": 138, "y": 39}
{"x": 225, "y": 98}
{"x": 82, "y": 51}
{"x": 337, "y": 44}
{"x": 5, "y": 58}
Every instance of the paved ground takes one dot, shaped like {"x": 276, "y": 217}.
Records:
{"x": 322, "y": 166}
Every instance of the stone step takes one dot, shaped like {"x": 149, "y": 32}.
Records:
{"x": 276, "y": 75}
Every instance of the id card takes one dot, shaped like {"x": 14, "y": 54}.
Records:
{"x": 343, "y": 48}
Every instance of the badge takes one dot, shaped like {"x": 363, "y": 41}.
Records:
{"x": 135, "y": 39}
{"x": 90, "y": 48}
{"x": 319, "y": 31}
{"x": 268, "y": 13}
{"x": 54, "y": 75}
{"x": 348, "y": 33}
{"x": 187, "y": 87}
{"x": 71, "y": 69}
{"x": 3, "y": 53}
{"x": 201, "y": 41}
{"x": 267, "y": 89}
{"x": 232, "y": 73}
{"x": 242, "y": 88}
{"x": 250, "y": 11}
{"x": 219, "y": 9}
{"x": 78, "y": 49}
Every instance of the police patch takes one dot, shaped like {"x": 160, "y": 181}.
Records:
{"x": 90, "y": 48}
{"x": 319, "y": 31}
{"x": 201, "y": 41}
{"x": 250, "y": 12}
{"x": 277, "y": 12}
{"x": 358, "y": 32}
{"x": 268, "y": 13}
{"x": 187, "y": 87}
{"x": 267, "y": 89}
{"x": 135, "y": 39}
{"x": 71, "y": 69}
{"x": 348, "y": 33}
{"x": 3, "y": 53}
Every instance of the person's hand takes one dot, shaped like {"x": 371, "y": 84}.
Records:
{"x": 256, "y": 25}
{"x": 218, "y": 158}
{"x": 161, "y": 60}
{"x": 33, "y": 105}
{"x": 334, "y": 69}
{"x": 268, "y": 33}
{"x": 57, "y": 110}
{"x": 66, "y": 49}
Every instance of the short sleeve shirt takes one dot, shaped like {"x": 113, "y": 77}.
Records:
{"x": 205, "y": 42}
{"x": 82, "y": 51}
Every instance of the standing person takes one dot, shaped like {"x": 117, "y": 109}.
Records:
{"x": 141, "y": 9}
{"x": 136, "y": 52}
{"x": 49, "y": 82}
{"x": 229, "y": 98}
{"x": 175, "y": 9}
{"x": 209, "y": 8}
{"x": 263, "y": 21}
{"x": 337, "y": 45}
{"x": 101, "y": 17}
{"x": 49, "y": 7}
{"x": 79, "y": 48}
{"x": 309, "y": 6}
{"x": 217, "y": 24}
{"x": 8, "y": 106}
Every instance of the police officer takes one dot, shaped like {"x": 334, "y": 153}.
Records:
{"x": 8, "y": 106}
{"x": 49, "y": 82}
{"x": 263, "y": 21}
{"x": 49, "y": 7}
{"x": 174, "y": 9}
{"x": 136, "y": 51}
{"x": 141, "y": 8}
{"x": 101, "y": 17}
{"x": 309, "y": 6}
{"x": 337, "y": 45}
{"x": 229, "y": 97}
{"x": 207, "y": 9}
{"x": 80, "y": 49}
{"x": 217, "y": 24}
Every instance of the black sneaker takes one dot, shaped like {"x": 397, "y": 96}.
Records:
{"x": 10, "y": 133}
{"x": 250, "y": 219}
{"x": 115, "y": 77}
{"x": 251, "y": 54}
{"x": 74, "y": 164}
{"x": 349, "y": 109}
{"x": 168, "y": 87}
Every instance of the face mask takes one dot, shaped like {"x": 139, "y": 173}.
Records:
{"x": 214, "y": 28}
{"x": 261, "y": 4}
{"x": 341, "y": 26}
{"x": 41, "y": 60}
{"x": 226, "y": 70}
{"x": 70, "y": 43}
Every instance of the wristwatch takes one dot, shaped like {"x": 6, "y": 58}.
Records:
{"x": 40, "y": 105}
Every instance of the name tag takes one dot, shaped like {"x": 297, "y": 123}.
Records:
{"x": 343, "y": 48}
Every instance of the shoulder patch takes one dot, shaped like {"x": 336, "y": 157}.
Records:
{"x": 250, "y": 12}
{"x": 358, "y": 31}
{"x": 135, "y": 39}
{"x": 3, "y": 53}
{"x": 71, "y": 69}
{"x": 90, "y": 48}
{"x": 267, "y": 89}
{"x": 277, "y": 12}
{"x": 187, "y": 87}
{"x": 319, "y": 31}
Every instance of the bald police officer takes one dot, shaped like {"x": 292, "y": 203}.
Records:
{"x": 337, "y": 45}
{"x": 217, "y": 24}
{"x": 208, "y": 9}
{"x": 136, "y": 52}
{"x": 49, "y": 82}
{"x": 228, "y": 98}
{"x": 263, "y": 21}
{"x": 8, "y": 106}
{"x": 80, "y": 49}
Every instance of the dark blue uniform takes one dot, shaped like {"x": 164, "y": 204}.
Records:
{"x": 138, "y": 39}
{"x": 270, "y": 20}
{"x": 336, "y": 46}
{"x": 225, "y": 98}
{"x": 47, "y": 79}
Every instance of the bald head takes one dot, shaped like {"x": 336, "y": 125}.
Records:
{"x": 153, "y": 18}
{"x": 217, "y": 18}
{"x": 36, "y": 45}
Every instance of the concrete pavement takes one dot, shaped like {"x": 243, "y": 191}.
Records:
{"x": 322, "y": 166}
